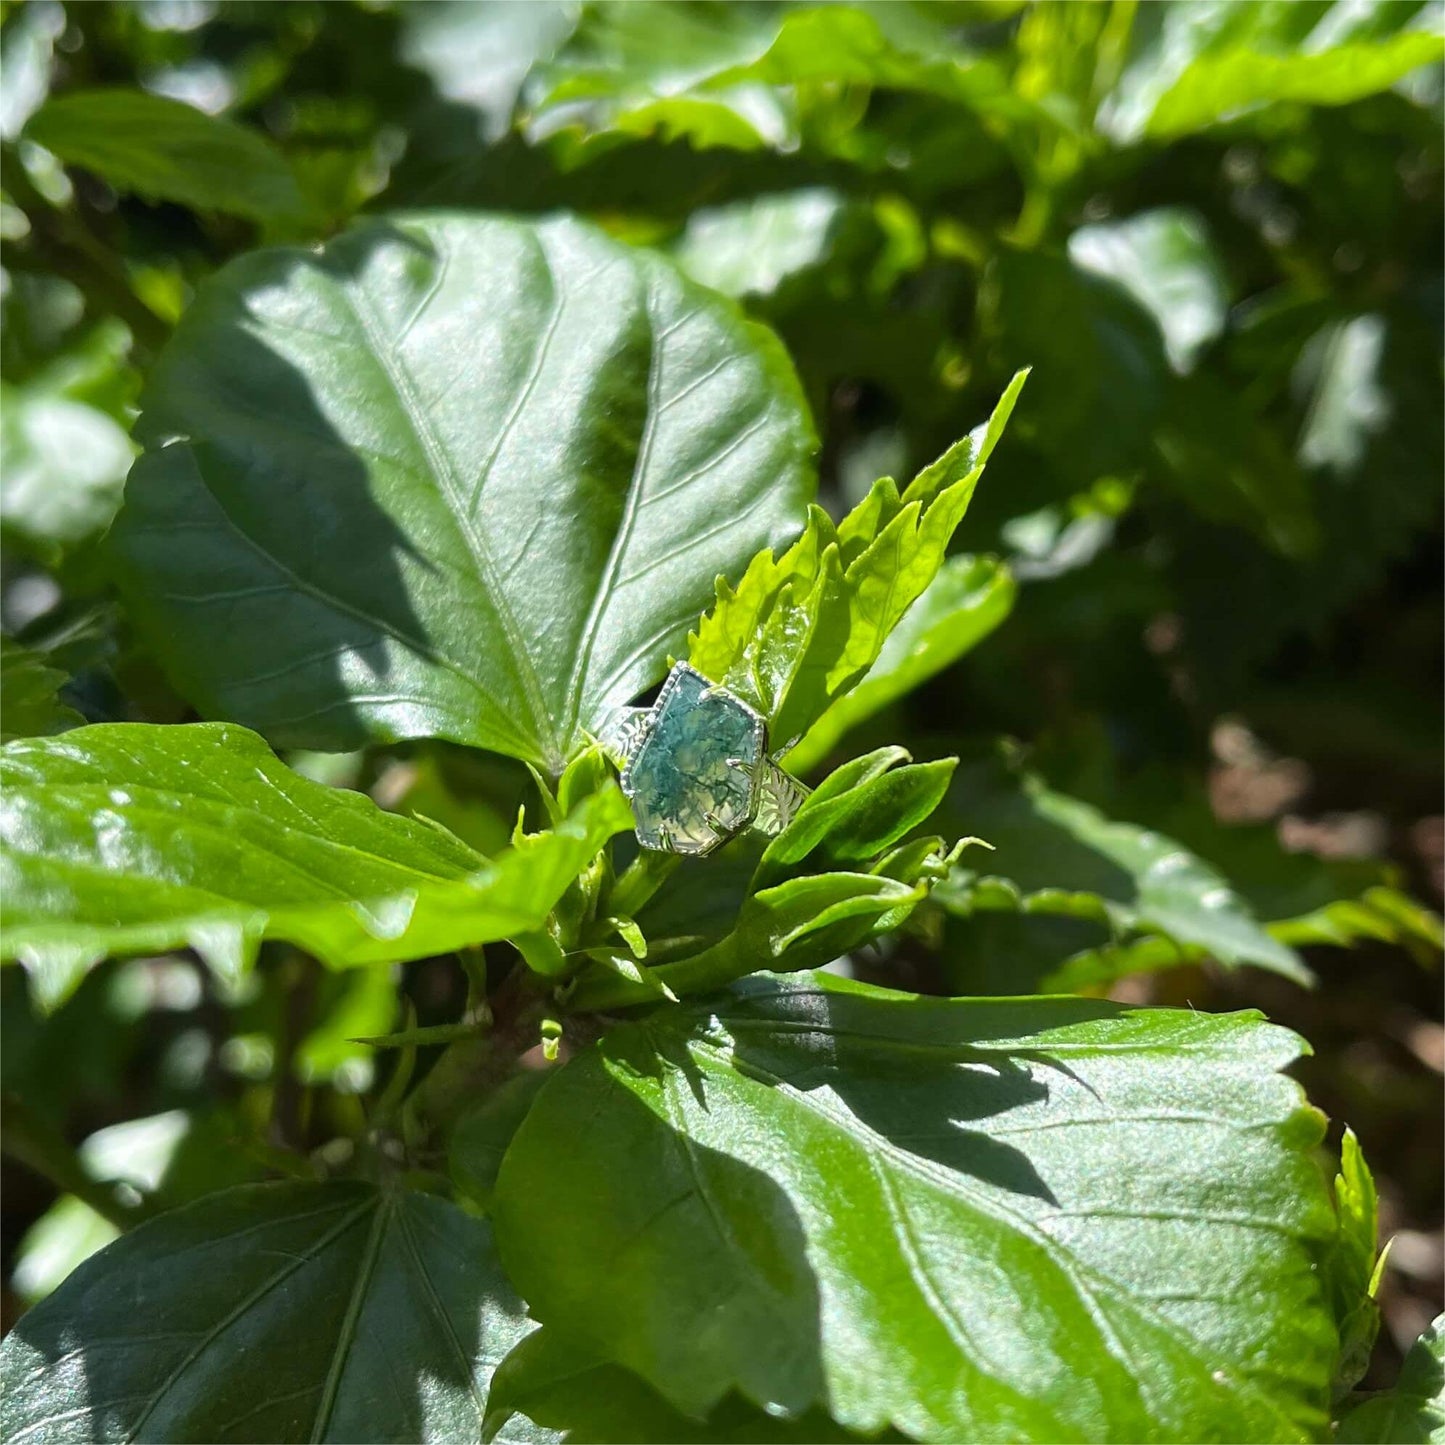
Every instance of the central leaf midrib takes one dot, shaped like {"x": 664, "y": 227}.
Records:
{"x": 294, "y": 1263}
{"x": 346, "y": 1336}
{"x": 592, "y": 624}
{"x": 441, "y": 468}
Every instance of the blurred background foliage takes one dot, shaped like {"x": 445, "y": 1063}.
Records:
{"x": 1192, "y": 658}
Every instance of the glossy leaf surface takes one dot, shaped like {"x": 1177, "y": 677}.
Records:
{"x": 284, "y": 1312}
{"x": 455, "y": 476}
{"x": 969, "y": 1219}
{"x": 126, "y": 838}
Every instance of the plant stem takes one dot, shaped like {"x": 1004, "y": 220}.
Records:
{"x": 25, "y": 1137}
{"x": 639, "y": 881}
{"x": 472, "y": 1067}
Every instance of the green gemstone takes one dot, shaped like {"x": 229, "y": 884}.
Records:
{"x": 680, "y": 773}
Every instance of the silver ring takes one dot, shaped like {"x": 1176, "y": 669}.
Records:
{"x": 696, "y": 767}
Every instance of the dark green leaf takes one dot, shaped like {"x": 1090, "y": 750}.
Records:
{"x": 29, "y": 706}
{"x": 559, "y": 1383}
{"x": 1058, "y": 855}
{"x": 284, "y": 1312}
{"x": 460, "y": 477}
{"x": 126, "y": 838}
{"x": 1413, "y": 1413}
{"x": 970, "y": 1219}
{"x": 168, "y": 151}
{"x": 1098, "y": 356}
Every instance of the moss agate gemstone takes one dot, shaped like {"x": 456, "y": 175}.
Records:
{"x": 680, "y": 774}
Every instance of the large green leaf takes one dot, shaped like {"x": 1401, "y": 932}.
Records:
{"x": 127, "y": 837}
{"x": 803, "y": 628}
{"x": 168, "y": 151}
{"x": 455, "y": 476}
{"x": 991, "y": 1220}
{"x": 1057, "y": 855}
{"x": 1413, "y": 1413}
{"x": 270, "y": 1312}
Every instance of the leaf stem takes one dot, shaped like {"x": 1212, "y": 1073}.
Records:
{"x": 472, "y": 1067}
{"x": 30, "y": 1140}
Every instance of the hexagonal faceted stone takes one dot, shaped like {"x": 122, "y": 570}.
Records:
{"x": 680, "y": 774}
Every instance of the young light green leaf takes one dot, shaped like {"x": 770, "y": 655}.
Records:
{"x": 1191, "y": 67}
{"x": 1351, "y": 1271}
{"x": 126, "y": 838}
{"x": 286, "y": 1312}
{"x": 968, "y": 598}
{"x": 29, "y": 706}
{"x": 165, "y": 150}
{"x": 1057, "y": 855}
{"x": 802, "y": 923}
{"x": 1413, "y": 1413}
{"x": 455, "y": 476}
{"x": 1230, "y": 82}
{"x": 801, "y": 629}
{"x": 970, "y": 1219}
{"x": 778, "y": 907}
{"x": 1379, "y": 911}
{"x": 857, "y": 813}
